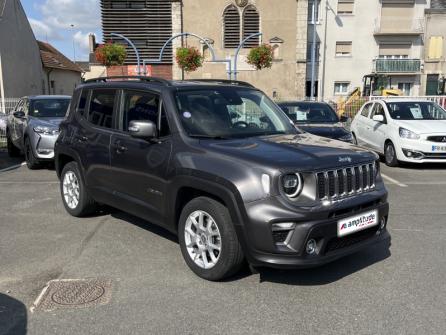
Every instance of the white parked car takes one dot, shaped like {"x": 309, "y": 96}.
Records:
{"x": 402, "y": 130}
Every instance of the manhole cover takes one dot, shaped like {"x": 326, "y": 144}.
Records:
{"x": 69, "y": 293}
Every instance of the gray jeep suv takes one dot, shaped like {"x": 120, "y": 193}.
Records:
{"x": 33, "y": 127}
{"x": 221, "y": 165}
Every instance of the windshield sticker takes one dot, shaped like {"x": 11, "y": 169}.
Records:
{"x": 416, "y": 112}
{"x": 301, "y": 116}
{"x": 187, "y": 115}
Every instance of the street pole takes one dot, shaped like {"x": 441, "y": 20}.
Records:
{"x": 74, "y": 43}
{"x": 313, "y": 52}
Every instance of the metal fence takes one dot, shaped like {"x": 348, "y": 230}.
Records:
{"x": 6, "y": 106}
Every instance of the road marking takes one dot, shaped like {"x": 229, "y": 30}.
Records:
{"x": 30, "y": 182}
{"x": 13, "y": 167}
{"x": 393, "y": 181}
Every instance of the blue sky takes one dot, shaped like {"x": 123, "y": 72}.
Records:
{"x": 64, "y": 22}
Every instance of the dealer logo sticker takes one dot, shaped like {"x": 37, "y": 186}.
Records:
{"x": 357, "y": 223}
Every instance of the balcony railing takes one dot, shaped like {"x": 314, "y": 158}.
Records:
{"x": 382, "y": 65}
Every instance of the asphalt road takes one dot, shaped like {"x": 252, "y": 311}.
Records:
{"x": 153, "y": 292}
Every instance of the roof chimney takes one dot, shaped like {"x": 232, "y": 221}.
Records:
{"x": 92, "y": 42}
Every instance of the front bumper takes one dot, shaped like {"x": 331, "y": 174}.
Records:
{"x": 319, "y": 224}
{"x": 44, "y": 146}
{"x": 431, "y": 152}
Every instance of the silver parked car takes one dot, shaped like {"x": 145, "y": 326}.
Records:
{"x": 33, "y": 126}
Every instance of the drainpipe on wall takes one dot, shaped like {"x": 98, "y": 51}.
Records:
{"x": 2, "y": 89}
{"x": 48, "y": 81}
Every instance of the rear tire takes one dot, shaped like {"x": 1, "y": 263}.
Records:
{"x": 31, "y": 160}
{"x": 206, "y": 227}
{"x": 390, "y": 155}
{"x": 75, "y": 197}
{"x": 13, "y": 151}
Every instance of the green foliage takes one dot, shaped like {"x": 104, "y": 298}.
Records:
{"x": 111, "y": 54}
{"x": 189, "y": 59}
{"x": 261, "y": 57}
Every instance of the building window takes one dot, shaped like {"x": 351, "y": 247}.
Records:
{"x": 405, "y": 88}
{"x": 309, "y": 51}
{"x": 234, "y": 30}
{"x": 435, "y": 50}
{"x": 394, "y": 51}
{"x": 343, "y": 48}
{"x": 231, "y": 27}
{"x": 310, "y": 11}
{"x": 251, "y": 25}
{"x": 341, "y": 88}
{"x": 345, "y": 6}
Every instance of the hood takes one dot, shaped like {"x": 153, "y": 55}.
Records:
{"x": 330, "y": 130}
{"x": 424, "y": 126}
{"x": 46, "y": 122}
{"x": 303, "y": 152}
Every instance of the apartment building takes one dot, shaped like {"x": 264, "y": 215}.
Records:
{"x": 368, "y": 45}
{"x": 434, "y": 76}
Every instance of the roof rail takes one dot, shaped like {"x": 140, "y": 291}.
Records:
{"x": 141, "y": 78}
{"x": 224, "y": 81}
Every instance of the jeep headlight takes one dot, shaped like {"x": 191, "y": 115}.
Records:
{"x": 292, "y": 184}
{"x": 346, "y": 138}
{"x": 46, "y": 130}
{"x": 406, "y": 133}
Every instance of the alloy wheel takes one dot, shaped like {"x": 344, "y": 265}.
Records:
{"x": 203, "y": 240}
{"x": 71, "y": 189}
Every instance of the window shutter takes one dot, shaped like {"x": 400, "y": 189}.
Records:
{"x": 435, "y": 47}
{"x": 251, "y": 25}
{"x": 343, "y": 48}
{"x": 394, "y": 49}
{"x": 231, "y": 29}
{"x": 345, "y": 6}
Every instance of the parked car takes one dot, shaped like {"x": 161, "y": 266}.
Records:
{"x": 179, "y": 156}
{"x": 33, "y": 126}
{"x": 317, "y": 118}
{"x": 402, "y": 130}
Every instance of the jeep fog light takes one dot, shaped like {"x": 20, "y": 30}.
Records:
{"x": 311, "y": 247}
{"x": 382, "y": 224}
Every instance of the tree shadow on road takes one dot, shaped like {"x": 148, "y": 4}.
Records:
{"x": 13, "y": 316}
{"x": 331, "y": 272}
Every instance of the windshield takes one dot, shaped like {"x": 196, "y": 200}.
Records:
{"x": 310, "y": 113}
{"x": 423, "y": 110}
{"x": 230, "y": 112}
{"x": 49, "y": 107}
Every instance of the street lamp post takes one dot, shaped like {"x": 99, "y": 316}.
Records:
{"x": 74, "y": 43}
{"x": 138, "y": 71}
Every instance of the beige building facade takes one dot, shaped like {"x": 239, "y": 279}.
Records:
{"x": 224, "y": 23}
{"x": 434, "y": 77}
{"x": 368, "y": 45}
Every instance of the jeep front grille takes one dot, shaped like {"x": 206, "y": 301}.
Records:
{"x": 339, "y": 183}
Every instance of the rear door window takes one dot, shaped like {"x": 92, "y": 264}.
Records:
{"x": 101, "y": 109}
{"x": 366, "y": 110}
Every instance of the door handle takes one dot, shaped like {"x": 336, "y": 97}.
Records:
{"x": 120, "y": 148}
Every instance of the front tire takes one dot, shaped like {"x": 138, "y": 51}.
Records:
{"x": 75, "y": 197}
{"x": 208, "y": 240}
{"x": 390, "y": 157}
{"x": 31, "y": 160}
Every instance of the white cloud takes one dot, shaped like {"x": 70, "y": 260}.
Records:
{"x": 44, "y": 31}
{"x": 84, "y": 14}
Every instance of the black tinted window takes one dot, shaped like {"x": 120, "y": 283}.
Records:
{"x": 82, "y": 103}
{"x": 101, "y": 108}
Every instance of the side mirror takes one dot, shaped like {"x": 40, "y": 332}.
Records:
{"x": 142, "y": 129}
{"x": 344, "y": 119}
{"x": 378, "y": 118}
{"x": 19, "y": 115}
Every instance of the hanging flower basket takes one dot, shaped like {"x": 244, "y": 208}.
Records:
{"x": 261, "y": 57}
{"x": 111, "y": 54}
{"x": 189, "y": 59}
